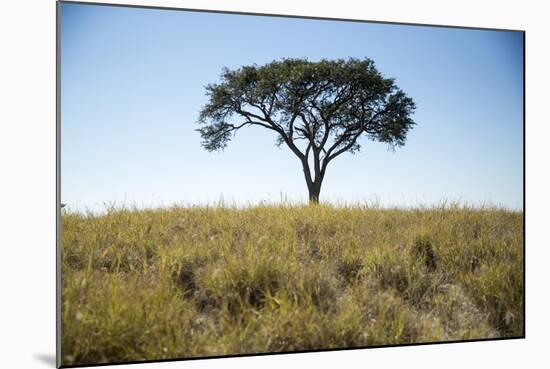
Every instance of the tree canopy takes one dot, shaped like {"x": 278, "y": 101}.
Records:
{"x": 318, "y": 109}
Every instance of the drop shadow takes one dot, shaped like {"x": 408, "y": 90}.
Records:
{"x": 47, "y": 359}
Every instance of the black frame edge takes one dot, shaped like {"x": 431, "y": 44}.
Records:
{"x": 235, "y": 12}
{"x": 58, "y": 182}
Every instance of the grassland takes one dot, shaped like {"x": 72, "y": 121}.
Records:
{"x": 187, "y": 282}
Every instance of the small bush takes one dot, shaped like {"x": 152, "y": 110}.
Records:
{"x": 424, "y": 251}
{"x": 349, "y": 269}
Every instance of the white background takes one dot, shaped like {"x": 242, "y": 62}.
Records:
{"x": 27, "y": 185}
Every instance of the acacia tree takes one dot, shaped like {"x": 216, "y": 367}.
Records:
{"x": 318, "y": 109}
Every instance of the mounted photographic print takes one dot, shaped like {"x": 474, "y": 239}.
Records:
{"x": 240, "y": 184}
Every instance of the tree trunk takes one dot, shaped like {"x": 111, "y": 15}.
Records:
{"x": 314, "y": 191}
{"x": 313, "y": 186}
{"x": 313, "y": 197}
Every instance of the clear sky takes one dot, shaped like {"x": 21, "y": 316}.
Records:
{"x": 132, "y": 84}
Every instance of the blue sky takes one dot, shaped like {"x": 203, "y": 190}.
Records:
{"x": 132, "y": 84}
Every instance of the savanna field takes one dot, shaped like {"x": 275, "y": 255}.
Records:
{"x": 202, "y": 281}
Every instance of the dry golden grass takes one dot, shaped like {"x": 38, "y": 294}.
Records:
{"x": 187, "y": 282}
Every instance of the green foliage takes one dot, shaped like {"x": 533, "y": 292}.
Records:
{"x": 318, "y": 109}
{"x": 300, "y": 99}
{"x": 187, "y": 282}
